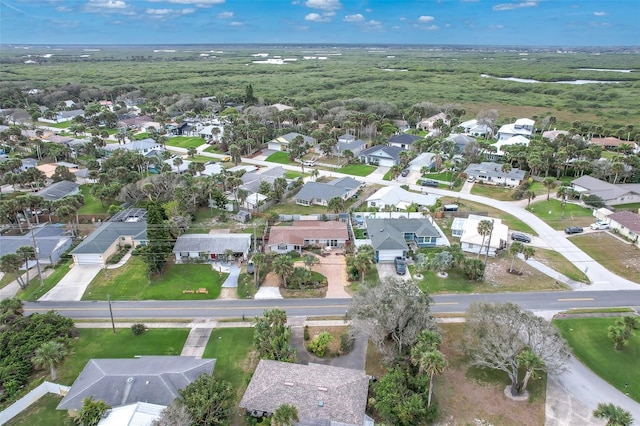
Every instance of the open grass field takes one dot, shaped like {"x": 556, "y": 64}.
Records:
{"x": 618, "y": 256}
{"x": 185, "y": 141}
{"x": 63, "y": 125}
{"x": 279, "y": 157}
{"x": 357, "y": 169}
{"x": 551, "y": 212}
{"x": 290, "y": 174}
{"x": 130, "y": 282}
{"x": 91, "y": 205}
{"x": 590, "y": 344}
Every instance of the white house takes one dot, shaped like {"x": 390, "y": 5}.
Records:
{"x": 304, "y": 233}
{"x": 522, "y": 126}
{"x": 476, "y": 129}
{"x": 281, "y": 143}
{"x": 206, "y": 247}
{"x": 492, "y": 174}
{"x": 470, "y": 239}
{"x": 514, "y": 140}
{"x": 399, "y": 199}
{"x": 426, "y": 124}
{"x": 142, "y": 146}
{"x": 426, "y": 159}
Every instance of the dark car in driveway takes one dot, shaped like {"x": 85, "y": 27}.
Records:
{"x": 573, "y": 230}
{"x": 405, "y": 173}
{"x": 517, "y": 236}
{"x": 400, "y": 265}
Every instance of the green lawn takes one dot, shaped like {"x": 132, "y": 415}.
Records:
{"x": 359, "y": 233}
{"x": 495, "y": 192}
{"x": 140, "y": 136}
{"x": 443, "y": 176}
{"x": 62, "y": 125}
{"x": 357, "y": 169}
{"x": 129, "y": 282}
{"x": 387, "y": 176}
{"x": 43, "y": 412}
{"x": 590, "y": 344}
{"x": 202, "y": 159}
{"x": 551, "y": 212}
{"x": 102, "y": 343}
{"x": 560, "y": 264}
{"x": 6, "y": 279}
{"x": 231, "y": 348}
{"x": 512, "y": 222}
{"x": 289, "y": 174}
{"x": 279, "y": 157}
{"x": 456, "y": 282}
{"x": 34, "y": 291}
{"x": 213, "y": 149}
{"x": 91, "y": 205}
{"x": 630, "y": 206}
{"x": 186, "y": 141}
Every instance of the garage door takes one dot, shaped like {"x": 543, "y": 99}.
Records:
{"x": 389, "y": 255}
{"x": 386, "y": 163}
{"x": 86, "y": 259}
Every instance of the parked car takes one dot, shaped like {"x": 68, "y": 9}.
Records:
{"x": 599, "y": 226}
{"x": 573, "y": 230}
{"x": 429, "y": 182}
{"x": 310, "y": 163}
{"x": 226, "y": 159}
{"x": 471, "y": 178}
{"x": 250, "y": 267}
{"x": 401, "y": 266}
{"x": 405, "y": 173}
{"x": 517, "y": 236}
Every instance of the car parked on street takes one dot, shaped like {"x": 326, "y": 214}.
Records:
{"x": 599, "y": 226}
{"x": 405, "y": 173}
{"x": 400, "y": 265}
{"x": 429, "y": 182}
{"x": 518, "y": 236}
{"x": 573, "y": 230}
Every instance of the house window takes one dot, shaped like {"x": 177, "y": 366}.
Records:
{"x": 333, "y": 243}
{"x": 184, "y": 254}
{"x": 282, "y": 246}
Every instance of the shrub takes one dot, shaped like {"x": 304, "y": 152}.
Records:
{"x": 138, "y": 329}
{"x": 306, "y": 332}
{"x": 319, "y": 345}
{"x": 346, "y": 341}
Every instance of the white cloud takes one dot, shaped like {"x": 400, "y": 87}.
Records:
{"x": 426, "y": 18}
{"x": 316, "y": 17}
{"x": 63, "y": 9}
{"x": 600, "y": 13}
{"x": 512, "y": 6}
{"x": 225, "y": 15}
{"x": 428, "y": 28}
{"x": 236, "y": 24}
{"x": 373, "y": 25}
{"x": 188, "y": 10}
{"x": 332, "y": 13}
{"x": 159, "y": 12}
{"x": 199, "y": 3}
{"x": 354, "y": 18}
{"x": 108, "y": 6}
{"x": 323, "y": 4}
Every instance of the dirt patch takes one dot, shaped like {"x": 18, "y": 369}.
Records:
{"x": 302, "y": 294}
{"x": 271, "y": 280}
{"x": 531, "y": 279}
{"x": 601, "y": 246}
{"x": 228, "y": 293}
{"x": 334, "y": 345}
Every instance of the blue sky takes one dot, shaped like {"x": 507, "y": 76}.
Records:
{"x": 481, "y": 22}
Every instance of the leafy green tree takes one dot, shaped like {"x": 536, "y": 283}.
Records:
{"x": 473, "y": 268}
{"x": 441, "y": 262}
{"x": 613, "y": 414}
{"x": 400, "y": 397}
{"x": 209, "y": 401}
{"x": 310, "y": 260}
{"x": 428, "y": 358}
{"x": 50, "y": 354}
{"x": 320, "y": 343}
{"x": 176, "y": 414}
{"x": 336, "y": 204}
{"x": 91, "y": 412}
{"x": 285, "y": 415}
{"x": 272, "y": 337}
{"x": 158, "y": 241}
{"x": 10, "y": 263}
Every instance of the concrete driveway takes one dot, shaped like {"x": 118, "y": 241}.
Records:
{"x": 379, "y": 173}
{"x": 73, "y": 285}
{"x": 388, "y": 270}
{"x": 411, "y": 178}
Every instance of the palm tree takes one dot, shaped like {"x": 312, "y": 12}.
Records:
{"x": 629, "y": 323}
{"x": 26, "y": 253}
{"x": 442, "y": 261}
{"x": 310, "y": 260}
{"x": 284, "y": 415}
{"x": 529, "y": 195}
{"x": 192, "y": 151}
{"x": 484, "y": 229}
{"x": 234, "y": 152}
{"x": 549, "y": 183}
{"x": 283, "y": 266}
{"x": 531, "y": 363}
{"x": 615, "y": 416}
{"x": 178, "y": 162}
{"x": 516, "y": 247}
{"x": 527, "y": 252}
{"x": 314, "y": 174}
{"x": 50, "y": 354}
{"x": 259, "y": 261}
{"x": 617, "y": 168}
{"x": 431, "y": 362}
{"x": 336, "y": 204}
{"x": 91, "y": 412}
{"x": 363, "y": 261}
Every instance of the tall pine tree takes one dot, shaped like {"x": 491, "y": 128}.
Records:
{"x": 158, "y": 240}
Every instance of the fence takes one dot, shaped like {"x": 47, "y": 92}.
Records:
{"x": 33, "y": 396}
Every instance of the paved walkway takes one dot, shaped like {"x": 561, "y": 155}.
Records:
{"x": 232, "y": 279}
{"x": 198, "y": 337}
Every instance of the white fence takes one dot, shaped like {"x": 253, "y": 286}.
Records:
{"x": 24, "y": 402}
{"x": 390, "y": 215}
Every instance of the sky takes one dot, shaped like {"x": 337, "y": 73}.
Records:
{"x": 456, "y": 22}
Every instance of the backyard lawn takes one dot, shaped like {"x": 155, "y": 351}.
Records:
{"x": 130, "y": 282}
{"x": 43, "y": 412}
{"x": 91, "y": 205}
{"x": 357, "y": 169}
{"x": 551, "y": 212}
{"x": 62, "y": 125}
{"x": 590, "y": 344}
{"x": 279, "y": 157}
{"x": 186, "y": 141}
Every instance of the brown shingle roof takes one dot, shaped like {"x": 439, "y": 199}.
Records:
{"x": 308, "y": 230}
{"x": 628, "y": 219}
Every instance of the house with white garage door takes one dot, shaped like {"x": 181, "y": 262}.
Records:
{"x": 381, "y": 155}
{"x": 107, "y": 239}
{"x": 391, "y": 238}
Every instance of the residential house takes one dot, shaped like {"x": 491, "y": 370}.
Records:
{"x": 28, "y": 163}
{"x": 51, "y": 242}
{"x": 211, "y": 133}
{"x": 492, "y": 174}
{"x": 59, "y": 190}
{"x": 252, "y": 180}
{"x": 149, "y": 379}
{"x": 472, "y": 242}
{"x": 349, "y": 142}
{"x": 183, "y": 129}
{"x": 499, "y": 154}
{"x": 552, "y": 135}
{"x": 611, "y": 194}
{"x": 476, "y": 129}
{"x": 403, "y": 140}
{"x": 179, "y": 169}
{"x": 381, "y": 155}
{"x": 391, "y": 238}
{"x": 134, "y": 123}
{"x": 425, "y": 160}
{"x": 613, "y": 144}
{"x": 460, "y": 140}
{"x": 627, "y": 224}
{"x": 106, "y": 239}
{"x": 50, "y": 168}
{"x": 320, "y": 193}
{"x": 143, "y": 146}
{"x": 63, "y": 116}
{"x": 426, "y": 124}
{"x": 281, "y": 143}
{"x": 398, "y": 199}
{"x": 206, "y": 247}
{"x": 151, "y": 126}
{"x": 130, "y": 215}
{"x": 322, "y": 394}
{"x": 305, "y": 233}
{"x": 522, "y": 126}
{"x": 137, "y": 414}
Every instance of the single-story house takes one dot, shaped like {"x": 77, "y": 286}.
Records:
{"x": 381, "y": 155}
{"x": 183, "y": 128}
{"x": 49, "y": 169}
{"x": 133, "y": 122}
{"x": 403, "y": 140}
{"x": 133, "y": 214}
{"x": 106, "y": 239}
{"x": 211, "y": 132}
{"x": 613, "y": 144}
{"x": 399, "y": 199}
{"x": 522, "y": 126}
{"x": 51, "y": 243}
{"x": 627, "y": 224}
{"x": 63, "y": 116}
{"x": 304, "y": 233}
{"x": 611, "y": 194}
{"x": 391, "y": 238}
{"x": 472, "y": 242}
{"x": 492, "y": 174}
{"x": 320, "y": 193}
{"x": 552, "y": 135}
{"x": 142, "y": 146}
{"x": 28, "y": 163}
{"x": 281, "y": 143}
{"x": 322, "y": 394}
{"x": 120, "y": 382}
{"x": 205, "y": 247}
{"x": 349, "y": 142}
{"x": 59, "y": 190}
{"x": 476, "y": 129}
{"x": 460, "y": 140}
{"x": 426, "y": 159}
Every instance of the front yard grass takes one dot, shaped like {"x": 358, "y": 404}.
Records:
{"x": 601, "y": 245}
{"x": 186, "y": 141}
{"x": 34, "y": 291}
{"x": 289, "y": 174}
{"x": 279, "y": 157}
{"x": 512, "y": 222}
{"x": 213, "y": 149}
{"x": 91, "y": 205}
{"x": 588, "y": 339}
{"x": 551, "y": 212}
{"x": 559, "y": 263}
{"x": 130, "y": 282}
{"x": 494, "y": 192}
{"x": 357, "y": 169}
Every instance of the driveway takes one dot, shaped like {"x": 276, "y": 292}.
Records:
{"x": 411, "y": 178}
{"x": 334, "y": 267}
{"x": 73, "y": 285}
{"x": 232, "y": 279}
{"x": 379, "y": 173}
{"x": 388, "y": 270}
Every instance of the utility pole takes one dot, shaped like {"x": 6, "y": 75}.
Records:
{"x": 113, "y": 325}
{"x": 35, "y": 247}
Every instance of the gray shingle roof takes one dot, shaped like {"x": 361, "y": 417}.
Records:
{"x": 319, "y": 191}
{"x": 152, "y": 379}
{"x": 388, "y": 234}
{"x": 404, "y": 138}
{"x": 604, "y": 190}
{"x": 493, "y": 170}
{"x": 59, "y": 190}
{"x": 391, "y": 151}
{"x": 323, "y": 394}
{"x": 105, "y": 235}
{"x": 48, "y": 238}
{"x": 212, "y": 243}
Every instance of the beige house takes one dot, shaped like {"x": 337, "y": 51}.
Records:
{"x": 107, "y": 239}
